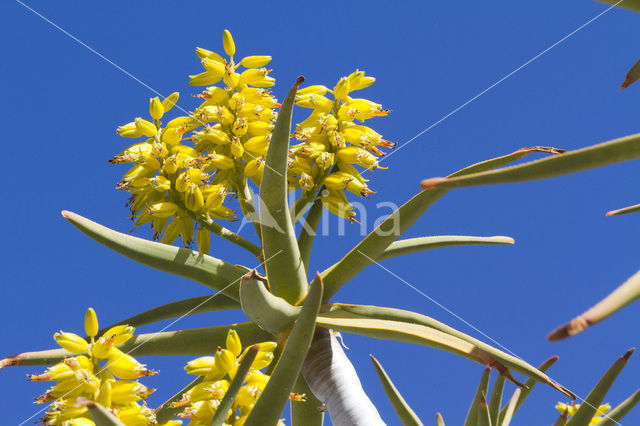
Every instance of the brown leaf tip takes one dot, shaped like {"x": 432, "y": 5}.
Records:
{"x": 432, "y": 182}
{"x": 253, "y": 275}
{"x": 628, "y": 353}
{"x": 546, "y": 149}
{"x": 569, "y": 329}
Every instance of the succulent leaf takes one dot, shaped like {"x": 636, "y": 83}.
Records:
{"x": 284, "y": 266}
{"x": 406, "y": 415}
{"x": 275, "y": 395}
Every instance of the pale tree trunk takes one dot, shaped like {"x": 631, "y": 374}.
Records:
{"x": 334, "y": 381}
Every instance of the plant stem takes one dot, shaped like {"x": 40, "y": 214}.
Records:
{"x": 308, "y": 232}
{"x": 248, "y": 206}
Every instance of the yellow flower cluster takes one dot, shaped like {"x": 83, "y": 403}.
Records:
{"x": 332, "y": 143}
{"x": 174, "y": 185}
{"x": 202, "y": 400}
{"x": 571, "y": 409}
{"x": 114, "y": 385}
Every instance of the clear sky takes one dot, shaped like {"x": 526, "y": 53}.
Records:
{"x": 61, "y": 104}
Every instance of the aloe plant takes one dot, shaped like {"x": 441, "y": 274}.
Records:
{"x": 180, "y": 190}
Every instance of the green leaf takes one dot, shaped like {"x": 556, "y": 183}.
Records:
{"x": 406, "y": 415}
{"x": 496, "y": 399}
{"x": 494, "y": 163}
{"x": 614, "y": 416}
{"x": 415, "y": 245}
{"x": 484, "y": 418}
{"x": 284, "y": 266}
{"x": 271, "y": 403}
{"x": 625, "y": 210}
{"x": 191, "y": 306}
{"x": 372, "y": 246}
{"x": 229, "y": 397}
{"x": 524, "y": 392}
{"x": 101, "y": 416}
{"x": 308, "y": 412}
{"x": 201, "y": 268}
{"x": 166, "y": 412}
{"x": 197, "y": 341}
{"x": 562, "y": 420}
{"x": 439, "y": 420}
{"x": 628, "y": 4}
{"x": 510, "y": 409}
{"x": 604, "y": 154}
{"x": 627, "y": 293}
{"x": 589, "y": 406}
{"x": 269, "y": 312}
{"x": 355, "y": 312}
{"x": 472, "y": 413}
{"x": 634, "y": 73}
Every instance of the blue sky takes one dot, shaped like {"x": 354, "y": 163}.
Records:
{"x": 62, "y": 103}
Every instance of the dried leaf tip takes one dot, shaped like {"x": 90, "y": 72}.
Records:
{"x": 628, "y": 354}
{"x": 432, "y": 182}
{"x": 253, "y": 275}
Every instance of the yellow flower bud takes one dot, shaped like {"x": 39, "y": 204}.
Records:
{"x": 156, "y": 110}
{"x": 170, "y": 101}
{"x": 254, "y": 170}
{"x": 163, "y": 209}
{"x": 233, "y": 343}
{"x": 147, "y": 128}
{"x": 104, "y": 393}
{"x": 214, "y": 68}
{"x": 222, "y": 212}
{"x": 239, "y": 126}
{"x": 225, "y": 360}
{"x": 91, "y": 323}
{"x": 204, "y": 53}
{"x": 172, "y": 232}
{"x": 129, "y": 130}
{"x": 231, "y": 79}
{"x": 228, "y": 44}
{"x": 125, "y": 366}
{"x": 160, "y": 183}
{"x": 306, "y": 182}
{"x": 203, "y": 240}
{"x": 317, "y": 90}
{"x": 255, "y": 61}
{"x": 359, "y": 156}
{"x": 204, "y": 79}
{"x": 258, "y": 144}
{"x": 317, "y": 102}
{"x": 357, "y": 80}
{"x": 325, "y": 160}
{"x": 215, "y": 95}
{"x": 71, "y": 342}
{"x": 259, "y": 128}
{"x": 216, "y": 113}
{"x": 193, "y": 199}
{"x": 125, "y": 392}
{"x": 136, "y": 415}
{"x": 201, "y": 366}
{"x": 218, "y": 161}
{"x": 336, "y": 202}
{"x": 257, "y": 77}
{"x": 237, "y": 150}
{"x": 341, "y": 91}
